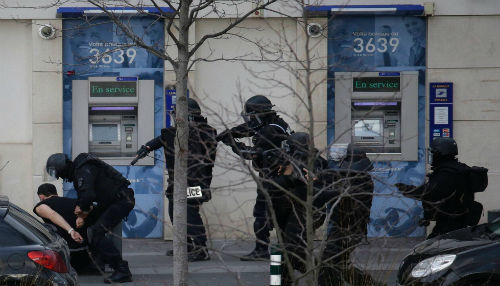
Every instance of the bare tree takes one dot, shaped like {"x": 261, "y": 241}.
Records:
{"x": 184, "y": 13}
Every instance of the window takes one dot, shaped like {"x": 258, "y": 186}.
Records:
{"x": 10, "y": 236}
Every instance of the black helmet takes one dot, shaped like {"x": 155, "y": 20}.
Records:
{"x": 193, "y": 106}
{"x": 444, "y": 146}
{"x": 56, "y": 164}
{"x": 258, "y": 104}
{"x": 194, "y": 110}
{"x": 355, "y": 160}
{"x": 298, "y": 141}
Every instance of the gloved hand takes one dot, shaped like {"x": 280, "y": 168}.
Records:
{"x": 225, "y": 137}
{"x": 237, "y": 147}
{"x": 143, "y": 151}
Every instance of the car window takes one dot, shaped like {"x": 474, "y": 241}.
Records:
{"x": 10, "y": 236}
{"x": 32, "y": 224}
{"x": 494, "y": 227}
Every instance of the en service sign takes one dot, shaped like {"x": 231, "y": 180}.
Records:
{"x": 376, "y": 84}
{"x": 113, "y": 89}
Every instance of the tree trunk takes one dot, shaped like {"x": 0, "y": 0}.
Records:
{"x": 180, "y": 272}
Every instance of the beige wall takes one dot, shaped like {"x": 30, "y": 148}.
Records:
{"x": 31, "y": 108}
{"x": 464, "y": 50}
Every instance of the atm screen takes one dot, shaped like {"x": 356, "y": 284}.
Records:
{"x": 368, "y": 128}
{"x": 105, "y": 132}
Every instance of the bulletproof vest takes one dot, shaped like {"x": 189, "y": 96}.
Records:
{"x": 110, "y": 172}
{"x": 269, "y": 137}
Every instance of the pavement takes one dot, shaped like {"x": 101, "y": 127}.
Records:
{"x": 149, "y": 265}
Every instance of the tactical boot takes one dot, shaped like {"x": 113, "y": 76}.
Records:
{"x": 256, "y": 254}
{"x": 200, "y": 254}
{"x": 120, "y": 275}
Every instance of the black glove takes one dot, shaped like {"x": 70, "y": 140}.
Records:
{"x": 142, "y": 152}
{"x": 237, "y": 147}
{"x": 225, "y": 137}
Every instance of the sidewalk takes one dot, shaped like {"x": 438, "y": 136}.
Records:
{"x": 151, "y": 267}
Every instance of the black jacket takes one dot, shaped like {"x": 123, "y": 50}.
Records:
{"x": 295, "y": 191}
{"x": 444, "y": 195}
{"x": 349, "y": 191}
{"x": 202, "y": 153}
{"x": 96, "y": 181}
{"x": 265, "y": 138}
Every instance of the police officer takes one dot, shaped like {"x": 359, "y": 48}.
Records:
{"x": 99, "y": 183}
{"x": 350, "y": 190}
{"x": 444, "y": 198}
{"x": 289, "y": 199}
{"x": 267, "y": 131}
{"x": 201, "y": 158}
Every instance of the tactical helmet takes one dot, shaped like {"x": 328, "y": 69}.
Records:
{"x": 193, "y": 106}
{"x": 258, "y": 104}
{"x": 444, "y": 146}
{"x": 56, "y": 164}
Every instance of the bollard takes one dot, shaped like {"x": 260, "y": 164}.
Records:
{"x": 275, "y": 269}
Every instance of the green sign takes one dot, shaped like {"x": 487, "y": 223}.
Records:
{"x": 376, "y": 84}
{"x": 113, "y": 88}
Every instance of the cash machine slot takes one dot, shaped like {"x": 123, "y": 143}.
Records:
{"x": 111, "y": 117}
{"x": 113, "y": 131}
{"x": 378, "y": 111}
{"x": 376, "y": 127}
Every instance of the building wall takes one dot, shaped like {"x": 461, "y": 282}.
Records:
{"x": 461, "y": 49}
{"x": 464, "y": 50}
{"x": 30, "y": 105}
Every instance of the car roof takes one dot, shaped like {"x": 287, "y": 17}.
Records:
{"x": 4, "y": 205}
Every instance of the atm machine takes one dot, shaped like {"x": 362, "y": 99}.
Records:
{"x": 112, "y": 116}
{"x": 378, "y": 112}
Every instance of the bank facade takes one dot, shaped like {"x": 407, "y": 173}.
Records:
{"x": 434, "y": 66}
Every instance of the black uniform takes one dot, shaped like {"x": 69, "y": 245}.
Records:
{"x": 201, "y": 158}
{"x": 291, "y": 213}
{"x": 352, "y": 185}
{"x": 444, "y": 196}
{"x": 264, "y": 138}
{"x": 96, "y": 181}
{"x": 65, "y": 207}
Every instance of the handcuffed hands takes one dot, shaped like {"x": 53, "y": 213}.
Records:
{"x": 80, "y": 222}
{"x": 76, "y": 236}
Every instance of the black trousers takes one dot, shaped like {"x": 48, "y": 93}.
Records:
{"x": 108, "y": 219}
{"x": 445, "y": 225}
{"x": 336, "y": 267}
{"x": 262, "y": 225}
{"x": 197, "y": 236}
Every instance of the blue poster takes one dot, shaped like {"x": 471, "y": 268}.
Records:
{"x": 383, "y": 44}
{"x": 440, "y": 110}
{"x": 96, "y": 47}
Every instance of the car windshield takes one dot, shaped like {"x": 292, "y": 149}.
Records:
{"x": 494, "y": 226}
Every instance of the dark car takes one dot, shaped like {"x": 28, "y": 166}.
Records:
{"x": 469, "y": 256}
{"x": 31, "y": 253}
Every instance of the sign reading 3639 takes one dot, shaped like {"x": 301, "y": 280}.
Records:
{"x": 370, "y": 45}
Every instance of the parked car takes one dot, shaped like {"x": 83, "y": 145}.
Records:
{"x": 469, "y": 256}
{"x": 31, "y": 253}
